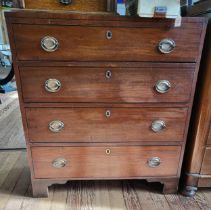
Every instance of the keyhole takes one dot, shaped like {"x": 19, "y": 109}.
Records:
{"x": 108, "y": 74}
{"x": 108, "y": 151}
{"x": 108, "y": 113}
{"x": 109, "y": 35}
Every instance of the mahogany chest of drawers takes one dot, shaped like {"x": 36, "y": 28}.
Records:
{"x": 104, "y": 97}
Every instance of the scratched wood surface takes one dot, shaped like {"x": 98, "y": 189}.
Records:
{"x": 15, "y": 192}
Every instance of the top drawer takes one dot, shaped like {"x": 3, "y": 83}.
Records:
{"x": 103, "y": 43}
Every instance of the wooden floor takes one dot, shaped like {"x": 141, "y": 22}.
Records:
{"x": 15, "y": 192}
{"x": 11, "y": 130}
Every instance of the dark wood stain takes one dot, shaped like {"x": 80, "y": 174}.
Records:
{"x": 83, "y": 56}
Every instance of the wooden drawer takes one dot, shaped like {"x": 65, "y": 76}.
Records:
{"x": 105, "y": 124}
{"x": 206, "y": 164}
{"x": 129, "y": 85}
{"x": 105, "y": 162}
{"x": 80, "y": 5}
{"x": 89, "y": 43}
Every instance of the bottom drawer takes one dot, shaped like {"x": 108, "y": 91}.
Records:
{"x": 105, "y": 162}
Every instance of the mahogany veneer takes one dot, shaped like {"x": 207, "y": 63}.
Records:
{"x": 78, "y": 5}
{"x": 99, "y": 99}
{"x": 91, "y": 124}
{"x": 128, "y": 85}
{"x": 123, "y": 161}
{"x": 89, "y": 42}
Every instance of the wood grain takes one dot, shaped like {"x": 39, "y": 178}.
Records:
{"x": 209, "y": 137}
{"x": 95, "y": 195}
{"x": 91, "y": 125}
{"x": 11, "y": 181}
{"x": 206, "y": 166}
{"x": 82, "y": 42}
{"x": 11, "y": 135}
{"x": 93, "y": 162}
{"x": 201, "y": 118}
{"x": 89, "y": 43}
{"x": 79, "y": 5}
{"x": 126, "y": 85}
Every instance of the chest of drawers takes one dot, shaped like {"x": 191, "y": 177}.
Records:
{"x": 104, "y": 97}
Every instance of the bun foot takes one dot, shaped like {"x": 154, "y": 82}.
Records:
{"x": 189, "y": 191}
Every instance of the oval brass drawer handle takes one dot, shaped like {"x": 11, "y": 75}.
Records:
{"x": 56, "y": 126}
{"x": 158, "y": 125}
{"x": 49, "y": 44}
{"x": 163, "y": 86}
{"x": 154, "y": 162}
{"x": 59, "y": 163}
{"x": 166, "y": 46}
{"x": 52, "y": 85}
{"x": 65, "y": 2}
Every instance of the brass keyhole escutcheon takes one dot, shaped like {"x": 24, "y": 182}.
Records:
{"x": 109, "y": 35}
{"x": 108, "y": 74}
{"x": 108, "y": 113}
{"x": 108, "y": 151}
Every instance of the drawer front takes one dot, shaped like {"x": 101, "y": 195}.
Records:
{"x": 206, "y": 165}
{"x": 106, "y": 124}
{"x": 83, "y": 43}
{"x": 105, "y": 162}
{"x": 80, "y": 5}
{"x": 129, "y": 85}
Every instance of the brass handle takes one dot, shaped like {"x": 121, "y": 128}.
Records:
{"x": 59, "y": 163}
{"x": 65, "y": 2}
{"x": 154, "y": 162}
{"x": 109, "y": 35}
{"x": 158, "y": 125}
{"x": 56, "y": 126}
{"x": 49, "y": 44}
{"x": 108, "y": 74}
{"x": 166, "y": 46}
{"x": 52, "y": 85}
{"x": 163, "y": 86}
